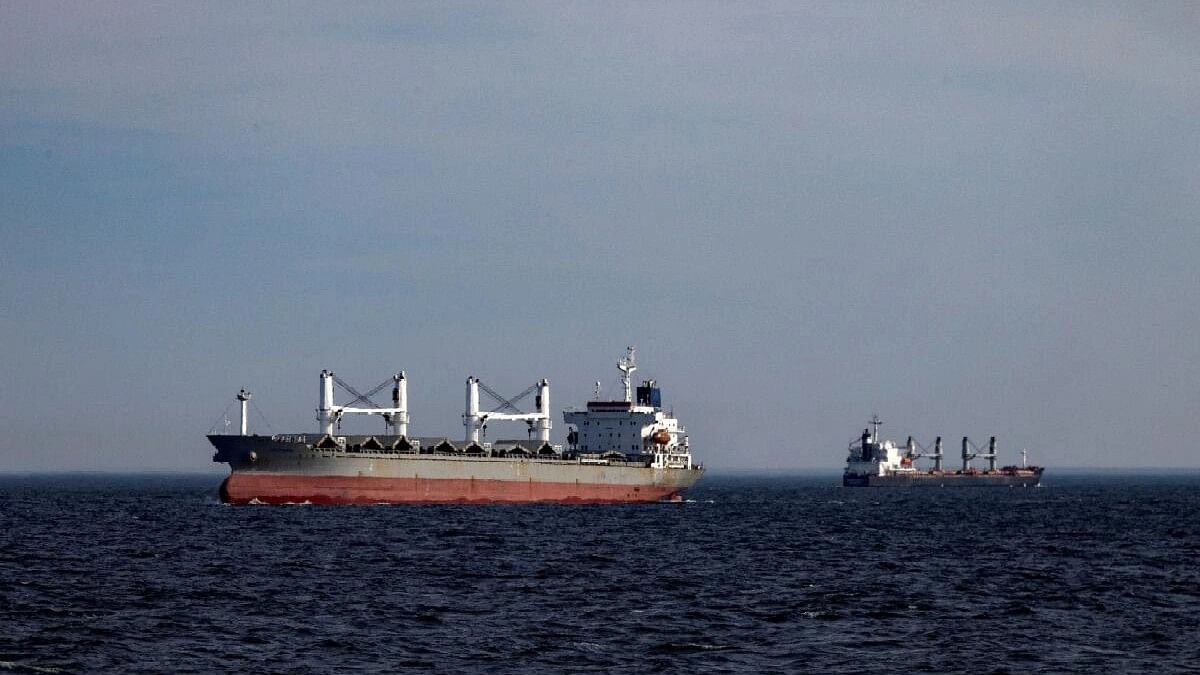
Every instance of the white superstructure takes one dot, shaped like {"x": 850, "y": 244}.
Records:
{"x": 638, "y": 426}
{"x": 871, "y": 457}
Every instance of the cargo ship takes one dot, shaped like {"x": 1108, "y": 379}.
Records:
{"x": 618, "y": 451}
{"x": 872, "y": 462}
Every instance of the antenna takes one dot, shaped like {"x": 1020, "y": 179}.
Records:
{"x": 596, "y": 391}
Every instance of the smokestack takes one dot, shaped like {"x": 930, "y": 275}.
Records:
{"x": 866, "y": 445}
{"x": 966, "y": 454}
{"x": 992, "y": 454}
{"x": 937, "y": 458}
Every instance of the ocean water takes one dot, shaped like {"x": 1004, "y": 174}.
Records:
{"x": 757, "y": 574}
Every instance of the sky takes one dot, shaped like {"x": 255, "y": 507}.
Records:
{"x": 970, "y": 218}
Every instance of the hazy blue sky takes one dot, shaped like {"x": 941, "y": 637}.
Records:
{"x": 970, "y": 218}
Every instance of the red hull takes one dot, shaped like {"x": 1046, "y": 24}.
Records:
{"x": 244, "y": 488}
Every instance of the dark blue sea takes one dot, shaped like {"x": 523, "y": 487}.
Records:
{"x": 791, "y": 574}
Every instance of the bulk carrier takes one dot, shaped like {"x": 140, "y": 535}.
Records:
{"x": 872, "y": 462}
{"x": 629, "y": 450}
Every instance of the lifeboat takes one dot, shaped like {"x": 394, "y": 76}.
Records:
{"x": 661, "y": 437}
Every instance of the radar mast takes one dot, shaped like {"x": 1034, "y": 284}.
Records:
{"x": 626, "y": 365}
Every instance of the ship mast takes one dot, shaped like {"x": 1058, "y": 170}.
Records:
{"x": 243, "y": 396}
{"x": 626, "y": 366}
{"x": 875, "y": 422}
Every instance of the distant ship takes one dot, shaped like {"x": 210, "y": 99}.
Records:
{"x": 628, "y": 450}
{"x": 871, "y": 462}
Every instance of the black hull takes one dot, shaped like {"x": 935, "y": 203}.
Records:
{"x": 1030, "y": 478}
